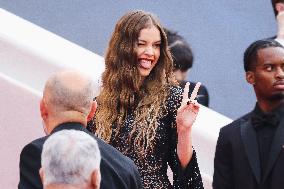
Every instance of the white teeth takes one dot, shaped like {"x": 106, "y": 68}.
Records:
{"x": 146, "y": 61}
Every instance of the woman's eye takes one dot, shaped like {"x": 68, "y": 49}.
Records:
{"x": 157, "y": 45}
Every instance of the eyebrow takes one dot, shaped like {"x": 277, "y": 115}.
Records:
{"x": 141, "y": 40}
{"x": 265, "y": 63}
{"x": 273, "y": 63}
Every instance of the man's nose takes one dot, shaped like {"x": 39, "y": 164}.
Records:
{"x": 280, "y": 72}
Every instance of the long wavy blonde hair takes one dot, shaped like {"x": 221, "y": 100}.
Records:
{"x": 121, "y": 92}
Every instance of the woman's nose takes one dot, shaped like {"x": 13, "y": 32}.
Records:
{"x": 149, "y": 51}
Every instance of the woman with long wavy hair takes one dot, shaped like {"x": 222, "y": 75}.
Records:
{"x": 141, "y": 110}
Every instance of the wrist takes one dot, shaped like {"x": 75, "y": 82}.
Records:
{"x": 184, "y": 133}
{"x": 183, "y": 129}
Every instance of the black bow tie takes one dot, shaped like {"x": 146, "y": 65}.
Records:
{"x": 269, "y": 120}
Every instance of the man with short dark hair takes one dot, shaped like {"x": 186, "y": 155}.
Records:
{"x": 250, "y": 150}
{"x": 67, "y": 103}
{"x": 183, "y": 61}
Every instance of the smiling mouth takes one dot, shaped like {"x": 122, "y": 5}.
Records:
{"x": 144, "y": 63}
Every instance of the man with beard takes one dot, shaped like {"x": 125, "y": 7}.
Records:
{"x": 250, "y": 150}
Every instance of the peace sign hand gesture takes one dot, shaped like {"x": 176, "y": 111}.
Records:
{"x": 188, "y": 110}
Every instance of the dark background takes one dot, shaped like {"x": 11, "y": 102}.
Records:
{"x": 218, "y": 31}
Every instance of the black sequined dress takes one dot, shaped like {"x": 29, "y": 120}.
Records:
{"x": 153, "y": 167}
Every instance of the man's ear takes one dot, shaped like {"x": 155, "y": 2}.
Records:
{"x": 279, "y": 7}
{"x": 93, "y": 110}
{"x": 41, "y": 174}
{"x": 43, "y": 110}
{"x": 96, "y": 179}
{"x": 250, "y": 77}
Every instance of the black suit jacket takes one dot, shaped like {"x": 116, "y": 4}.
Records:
{"x": 117, "y": 170}
{"x": 237, "y": 162}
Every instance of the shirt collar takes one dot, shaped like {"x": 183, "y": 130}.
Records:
{"x": 278, "y": 111}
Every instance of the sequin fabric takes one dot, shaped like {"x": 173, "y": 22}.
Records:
{"x": 153, "y": 166}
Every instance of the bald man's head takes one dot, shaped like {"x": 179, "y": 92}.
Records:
{"x": 69, "y": 91}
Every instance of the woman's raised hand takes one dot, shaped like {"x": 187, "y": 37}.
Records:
{"x": 188, "y": 110}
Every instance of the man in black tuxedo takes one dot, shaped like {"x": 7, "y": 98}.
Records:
{"x": 250, "y": 150}
{"x": 67, "y": 103}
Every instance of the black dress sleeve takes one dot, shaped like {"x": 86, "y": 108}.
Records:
{"x": 189, "y": 177}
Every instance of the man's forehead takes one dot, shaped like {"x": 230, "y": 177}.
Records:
{"x": 270, "y": 51}
{"x": 270, "y": 55}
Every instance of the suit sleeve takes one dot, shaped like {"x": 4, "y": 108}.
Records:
{"x": 222, "y": 178}
{"x": 135, "y": 181}
{"x": 30, "y": 163}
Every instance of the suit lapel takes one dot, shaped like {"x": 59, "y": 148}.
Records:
{"x": 276, "y": 147}
{"x": 251, "y": 148}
